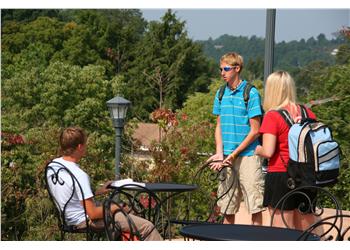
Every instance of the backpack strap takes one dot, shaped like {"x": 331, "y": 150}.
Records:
{"x": 286, "y": 117}
{"x": 303, "y": 111}
{"x": 246, "y": 92}
{"x": 221, "y": 92}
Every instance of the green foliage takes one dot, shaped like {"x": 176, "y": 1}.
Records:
{"x": 168, "y": 67}
{"x": 198, "y": 107}
{"x": 330, "y": 82}
{"x": 21, "y": 174}
{"x": 305, "y": 78}
{"x": 103, "y": 35}
{"x": 45, "y": 30}
{"x": 288, "y": 55}
{"x": 343, "y": 55}
{"x": 61, "y": 94}
{"x": 25, "y": 15}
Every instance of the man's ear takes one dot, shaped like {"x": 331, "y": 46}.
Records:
{"x": 237, "y": 69}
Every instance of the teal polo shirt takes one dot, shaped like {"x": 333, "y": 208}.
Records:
{"x": 234, "y": 117}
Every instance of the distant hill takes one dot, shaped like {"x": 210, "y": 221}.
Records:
{"x": 287, "y": 54}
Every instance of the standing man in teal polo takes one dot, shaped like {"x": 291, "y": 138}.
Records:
{"x": 236, "y": 137}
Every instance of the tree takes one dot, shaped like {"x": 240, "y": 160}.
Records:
{"x": 305, "y": 78}
{"x": 77, "y": 37}
{"x": 288, "y": 55}
{"x": 256, "y": 68}
{"x": 343, "y": 54}
{"x": 26, "y": 15}
{"x": 167, "y": 64}
{"x": 331, "y": 82}
{"x": 103, "y": 35}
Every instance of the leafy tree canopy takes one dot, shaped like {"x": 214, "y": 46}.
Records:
{"x": 167, "y": 67}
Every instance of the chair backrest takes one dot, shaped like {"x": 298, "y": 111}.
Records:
{"x": 334, "y": 225}
{"x": 62, "y": 186}
{"x": 315, "y": 200}
{"x": 131, "y": 199}
{"x": 203, "y": 204}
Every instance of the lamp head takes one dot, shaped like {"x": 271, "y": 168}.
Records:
{"x": 118, "y": 107}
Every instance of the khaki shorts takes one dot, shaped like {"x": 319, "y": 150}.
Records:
{"x": 248, "y": 183}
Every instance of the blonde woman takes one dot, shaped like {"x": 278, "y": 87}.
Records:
{"x": 280, "y": 93}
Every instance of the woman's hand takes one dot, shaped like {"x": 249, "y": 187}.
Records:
{"x": 258, "y": 150}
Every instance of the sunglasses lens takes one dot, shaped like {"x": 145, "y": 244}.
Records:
{"x": 227, "y": 68}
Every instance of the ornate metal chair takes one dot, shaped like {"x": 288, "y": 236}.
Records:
{"x": 202, "y": 204}
{"x": 131, "y": 199}
{"x": 60, "y": 179}
{"x": 335, "y": 228}
{"x": 315, "y": 199}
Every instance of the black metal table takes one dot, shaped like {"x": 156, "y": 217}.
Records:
{"x": 226, "y": 232}
{"x": 161, "y": 187}
{"x": 171, "y": 189}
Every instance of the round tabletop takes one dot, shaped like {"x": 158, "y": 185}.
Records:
{"x": 161, "y": 187}
{"x": 241, "y": 232}
{"x": 170, "y": 187}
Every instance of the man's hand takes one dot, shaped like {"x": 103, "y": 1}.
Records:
{"x": 104, "y": 189}
{"x": 216, "y": 161}
{"x": 230, "y": 159}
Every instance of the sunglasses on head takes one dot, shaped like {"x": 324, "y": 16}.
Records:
{"x": 227, "y": 68}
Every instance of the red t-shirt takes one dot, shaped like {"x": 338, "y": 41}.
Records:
{"x": 273, "y": 123}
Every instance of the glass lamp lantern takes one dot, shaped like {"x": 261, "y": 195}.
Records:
{"x": 118, "y": 107}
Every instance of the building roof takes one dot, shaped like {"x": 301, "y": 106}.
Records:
{"x": 145, "y": 133}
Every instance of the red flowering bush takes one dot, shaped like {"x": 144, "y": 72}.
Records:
{"x": 10, "y": 139}
{"x": 165, "y": 118}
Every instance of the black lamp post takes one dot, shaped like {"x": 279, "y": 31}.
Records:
{"x": 269, "y": 42}
{"x": 118, "y": 107}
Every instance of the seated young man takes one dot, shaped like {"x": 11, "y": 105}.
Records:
{"x": 73, "y": 147}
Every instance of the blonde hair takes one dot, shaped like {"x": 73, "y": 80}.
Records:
{"x": 233, "y": 59}
{"x": 70, "y": 138}
{"x": 279, "y": 91}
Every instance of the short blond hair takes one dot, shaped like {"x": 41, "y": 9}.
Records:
{"x": 233, "y": 59}
{"x": 279, "y": 91}
{"x": 70, "y": 138}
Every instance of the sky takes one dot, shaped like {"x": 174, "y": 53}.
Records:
{"x": 291, "y": 24}
{"x": 295, "y": 19}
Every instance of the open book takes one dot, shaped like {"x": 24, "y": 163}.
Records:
{"x": 120, "y": 183}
